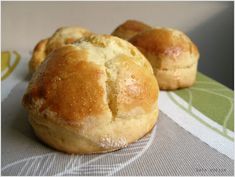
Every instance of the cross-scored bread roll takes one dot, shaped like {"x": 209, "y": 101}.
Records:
{"x": 93, "y": 96}
{"x": 130, "y": 28}
{"x": 173, "y": 56}
{"x": 62, "y": 36}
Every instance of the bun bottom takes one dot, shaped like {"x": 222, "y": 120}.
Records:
{"x": 177, "y": 78}
{"x": 100, "y": 139}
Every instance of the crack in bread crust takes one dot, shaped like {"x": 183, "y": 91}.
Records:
{"x": 111, "y": 91}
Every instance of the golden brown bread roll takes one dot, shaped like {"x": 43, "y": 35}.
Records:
{"x": 130, "y": 28}
{"x": 62, "y": 36}
{"x": 173, "y": 56}
{"x": 65, "y": 35}
{"x": 93, "y": 96}
{"x": 38, "y": 56}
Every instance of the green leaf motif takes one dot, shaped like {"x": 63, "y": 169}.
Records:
{"x": 6, "y": 67}
{"x": 211, "y": 98}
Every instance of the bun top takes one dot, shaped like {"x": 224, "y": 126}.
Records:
{"x": 65, "y": 35}
{"x": 61, "y": 37}
{"x": 100, "y": 76}
{"x": 166, "y": 48}
{"x": 38, "y": 56}
{"x": 130, "y": 28}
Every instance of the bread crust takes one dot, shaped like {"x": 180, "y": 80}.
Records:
{"x": 61, "y": 37}
{"x": 172, "y": 55}
{"x": 64, "y": 36}
{"x": 130, "y": 28}
{"x": 93, "y": 96}
{"x": 38, "y": 55}
{"x": 176, "y": 78}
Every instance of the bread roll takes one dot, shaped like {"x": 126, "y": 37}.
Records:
{"x": 62, "y": 36}
{"x": 65, "y": 35}
{"x": 96, "y": 95}
{"x": 130, "y": 28}
{"x": 38, "y": 56}
{"x": 173, "y": 56}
